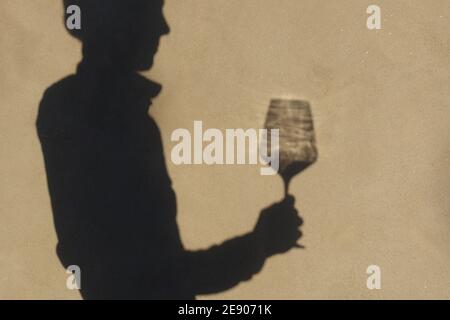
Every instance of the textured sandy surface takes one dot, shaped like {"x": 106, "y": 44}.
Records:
{"x": 379, "y": 193}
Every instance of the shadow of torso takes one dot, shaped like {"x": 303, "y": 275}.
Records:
{"x": 113, "y": 205}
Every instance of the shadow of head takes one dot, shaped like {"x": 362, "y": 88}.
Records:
{"x": 118, "y": 33}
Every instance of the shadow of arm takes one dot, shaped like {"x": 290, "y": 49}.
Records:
{"x": 224, "y": 266}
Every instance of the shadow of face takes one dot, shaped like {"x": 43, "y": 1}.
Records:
{"x": 121, "y": 34}
{"x": 145, "y": 33}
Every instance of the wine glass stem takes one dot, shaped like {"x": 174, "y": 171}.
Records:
{"x": 286, "y": 187}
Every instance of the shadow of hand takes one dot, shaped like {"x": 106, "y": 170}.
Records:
{"x": 277, "y": 229}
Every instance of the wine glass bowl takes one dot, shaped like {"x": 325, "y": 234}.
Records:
{"x": 297, "y": 142}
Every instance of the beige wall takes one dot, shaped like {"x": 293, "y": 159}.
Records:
{"x": 378, "y": 195}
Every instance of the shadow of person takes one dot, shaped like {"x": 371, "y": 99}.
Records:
{"x": 113, "y": 205}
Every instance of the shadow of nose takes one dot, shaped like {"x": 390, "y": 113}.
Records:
{"x": 166, "y": 28}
